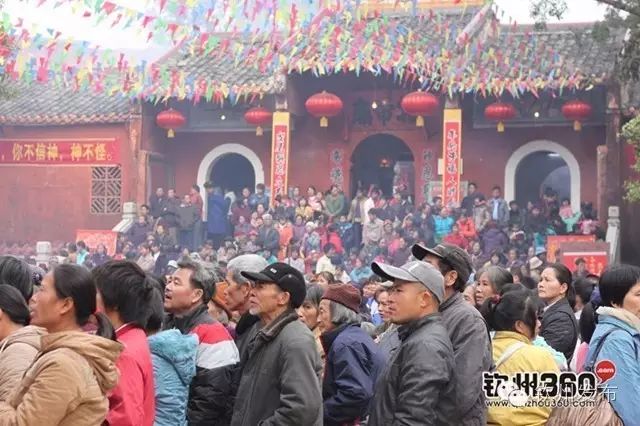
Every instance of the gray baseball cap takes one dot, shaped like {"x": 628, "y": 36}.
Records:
{"x": 416, "y": 271}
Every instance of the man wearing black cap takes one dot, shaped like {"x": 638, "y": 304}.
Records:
{"x": 280, "y": 383}
{"x": 466, "y": 327}
{"x": 417, "y": 386}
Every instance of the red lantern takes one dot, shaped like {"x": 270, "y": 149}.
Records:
{"x": 500, "y": 112}
{"x": 419, "y": 104}
{"x": 258, "y": 116}
{"x": 323, "y": 105}
{"x": 577, "y": 111}
{"x": 170, "y": 119}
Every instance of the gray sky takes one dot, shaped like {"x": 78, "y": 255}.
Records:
{"x": 72, "y": 25}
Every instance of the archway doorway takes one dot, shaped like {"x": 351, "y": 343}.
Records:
{"x": 545, "y": 167}
{"x": 539, "y": 171}
{"x": 218, "y": 153}
{"x": 233, "y": 172}
{"x": 384, "y": 161}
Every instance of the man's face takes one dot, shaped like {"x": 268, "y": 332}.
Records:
{"x": 259, "y": 190}
{"x": 144, "y": 210}
{"x": 265, "y": 298}
{"x": 335, "y": 190}
{"x": 159, "y": 192}
{"x": 186, "y": 199}
{"x": 141, "y": 220}
{"x": 180, "y": 295}
{"x": 237, "y": 294}
{"x": 406, "y": 302}
{"x": 472, "y": 189}
{"x": 171, "y": 193}
{"x": 496, "y": 193}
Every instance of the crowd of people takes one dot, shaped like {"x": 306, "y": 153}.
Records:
{"x": 325, "y": 232}
{"x": 250, "y": 342}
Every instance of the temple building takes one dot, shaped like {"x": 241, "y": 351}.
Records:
{"x": 372, "y": 134}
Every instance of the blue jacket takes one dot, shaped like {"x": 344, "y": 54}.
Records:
{"x": 352, "y": 365}
{"x": 174, "y": 365}
{"x": 216, "y": 214}
{"x": 622, "y": 347}
{"x": 443, "y": 226}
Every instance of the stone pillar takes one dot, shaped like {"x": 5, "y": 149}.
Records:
{"x": 140, "y": 157}
{"x": 613, "y": 234}
{"x": 129, "y": 215}
{"x": 613, "y": 173}
{"x": 601, "y": 182}
{"x": 43, "y": 252}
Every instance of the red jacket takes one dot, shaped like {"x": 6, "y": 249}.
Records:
{"x": 132, "y": 402}
{"x": 456, "y": 240}
{"x": 333, "y": 238}
{"x": 467, "y": 228}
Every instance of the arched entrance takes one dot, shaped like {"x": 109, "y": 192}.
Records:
{"x": 541, "y": 170}
{"x": 233, "y": 172}
{"x": 385, "y": 161}
{"x": 227, "y": 155}
{"x": 538, "y": 165}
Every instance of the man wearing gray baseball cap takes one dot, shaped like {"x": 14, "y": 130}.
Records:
{"x": 416, "y": 386}
{"x": 466, "y": 327}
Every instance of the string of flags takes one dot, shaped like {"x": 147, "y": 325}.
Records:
{"x": 463, "y": 52}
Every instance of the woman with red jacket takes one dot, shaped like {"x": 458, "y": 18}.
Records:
{"x": 125, "y": 294}
{"x": 467, "y": 227}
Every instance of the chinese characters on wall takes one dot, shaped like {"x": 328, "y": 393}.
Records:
{"x": 280, "y": 154}
{"x": 51, "y": 152}
{"x": 451, "y": 154}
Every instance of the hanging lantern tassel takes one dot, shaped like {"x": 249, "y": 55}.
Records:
{"x": 259, "y": 131}
{"x": 171, "y": 133}
{"x": 500, "y": 126}
{"x": 577, "y": 126}
{"x": 324, "y": 122}
{"x": 419, "y": 121}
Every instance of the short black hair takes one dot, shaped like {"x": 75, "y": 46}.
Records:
{"x": 616, "y": 282}
{"x": 81, "y": 244}
{"x": 584, "y": 288}
{"x": 125, "y": 288}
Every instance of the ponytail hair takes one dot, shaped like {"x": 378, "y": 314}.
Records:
{"x": 514, "y": 303}
{"x": 13, "y": 305}
{"x": 588, "y": 321}
{"x": 105, "y": 328}
{"x": 126, "y": 289}
{"x": 76, "y": 282}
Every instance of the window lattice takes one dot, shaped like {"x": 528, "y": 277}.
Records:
{"x": 106, "y": 190}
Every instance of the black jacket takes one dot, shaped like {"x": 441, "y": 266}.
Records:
{"x": 417, "y": 387}
{"x": 210, "y": 393}
{"x": 560, "y": 328}
{"x": 353, "y": 363}
{"x": 280, "y": 384}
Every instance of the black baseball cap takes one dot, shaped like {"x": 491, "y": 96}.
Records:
{"x": 284, "y": 276}
{"x": 453, "y": 256}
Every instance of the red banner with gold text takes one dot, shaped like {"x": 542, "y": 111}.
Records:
{"x": 59, "y": 151}
{"x": 451, "y": 155}
{"x": 279, "y": 154}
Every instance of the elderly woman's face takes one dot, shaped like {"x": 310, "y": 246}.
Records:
{"x": 308, "y": 313}
{"x": 325, "y": 315}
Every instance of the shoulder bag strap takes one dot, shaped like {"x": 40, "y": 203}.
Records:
{"x": 508, "y": 353}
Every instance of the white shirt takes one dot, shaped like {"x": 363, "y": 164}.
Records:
{"x": 324, "y": 265}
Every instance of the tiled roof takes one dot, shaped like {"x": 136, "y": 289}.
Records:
{"x": 51, "y": 104}
{"x": 222, "y": 70}
{"x": 580, "y": 50}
